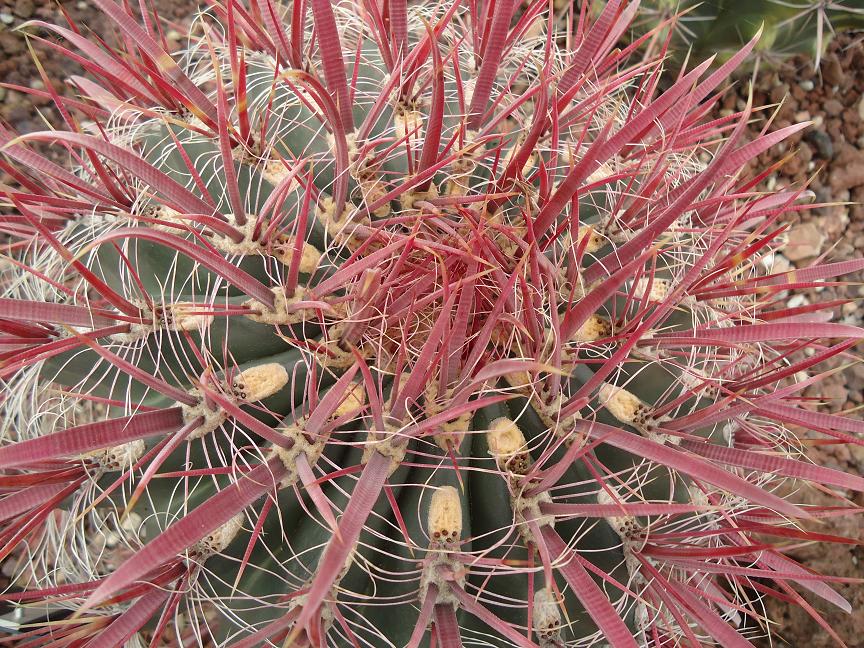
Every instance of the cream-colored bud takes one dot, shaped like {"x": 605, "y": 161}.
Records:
{"x": 659, "y": 289}
{"x": 445, "y": 515}
{"x": 507, "y": 445}
{"x": 284, "y": 250}
{"x": 620, "y": 403}
{"x": 184, "y": 318}
{"x": 354, "y": 400}
{"x": 408, "y": 122}
{"x": 594, "y": 328}
{"x": 595, "y": 240}
{"x": 409, "y": 198}
{"x": 259, "y": 382}
{"x": 504, "y": 437}
{"x": 602, "y": 172}
{"x": 275, "y": 173}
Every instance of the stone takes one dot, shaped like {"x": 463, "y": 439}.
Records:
{"x": 804, "y": 242}
{"x": 833, "y": 107}
{"x": 797, "y": 300}
{"x": 847, "y": 177}
{"x": 822, "y": 141}
{"x": 11, "y": 43}
{"x": 834, "y": 221}
{"x": 778, "y": 93}
{"x": 855, "y": 378}
{"x": 832, "y": 72}
{"x": 836, "y": 395}
{"x": 24, "y": 8}
{"x": 849, "y": 308}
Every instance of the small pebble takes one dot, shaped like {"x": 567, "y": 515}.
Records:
{"x": 806, "y": 85}
{"x": 823, "y": 143}
{"x": 6, "y": 18}
{"x": 833, "y": 107}
{"x": 797, "y": 300}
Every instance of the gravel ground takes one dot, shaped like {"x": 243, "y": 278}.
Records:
{"x": 830, "y": 154}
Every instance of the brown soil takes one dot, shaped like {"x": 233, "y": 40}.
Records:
{"x": 27, "y": 113}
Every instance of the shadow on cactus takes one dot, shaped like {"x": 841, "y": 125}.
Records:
{"x": 374, "y": 325}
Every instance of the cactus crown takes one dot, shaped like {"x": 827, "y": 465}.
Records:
{"x": 361, "y": 324}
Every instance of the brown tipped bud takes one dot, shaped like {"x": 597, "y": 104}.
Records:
{"x": 629, "y": 409}
{"x": 547, "y": 615}
{"x": 275, "y": 172}
{"x": 620, "y": 403}
{"x": 257, "y": 383}
{"x": 595, "y": 240}
{"x": 507, "y": 445}
{"x": 659, "y": 289}
{"x": 594, "y": 328}
{"x": 626, "y": 526}
{"x": 119, "y": 458}
{"x": 284, "y": 250}
{"x": 408, "y": 122}
{"x": 445, "y": 516}
{"x": 217, "y": 541}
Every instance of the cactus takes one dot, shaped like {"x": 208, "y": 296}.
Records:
{"x": 722, "y": 26}
{"x": 364, "y": 324}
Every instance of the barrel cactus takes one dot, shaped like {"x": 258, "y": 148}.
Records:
{"x": 722, "y": 26}
{"x": 364, "y": 324}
